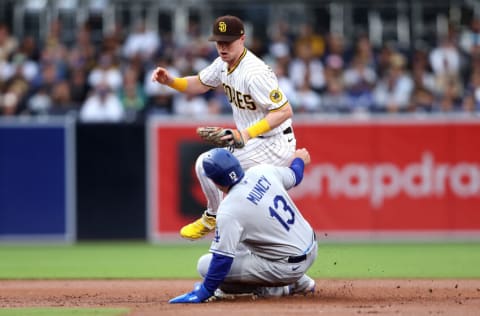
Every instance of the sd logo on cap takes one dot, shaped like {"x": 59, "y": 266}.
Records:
{"x": 227, "y": 28}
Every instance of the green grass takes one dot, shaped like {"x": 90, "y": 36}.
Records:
{"x": 63, "y": 311}
{"x": 100, "y": 261}
{"x": 431, "y": 260}
{"x": 175, "y": 261}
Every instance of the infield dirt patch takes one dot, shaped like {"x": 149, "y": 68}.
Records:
{"x": 332, "y": 297}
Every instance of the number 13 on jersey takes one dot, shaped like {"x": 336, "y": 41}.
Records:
{"x": 287, "y": 217}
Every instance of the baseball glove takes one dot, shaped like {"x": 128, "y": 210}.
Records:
{"x": 221, "y": 137}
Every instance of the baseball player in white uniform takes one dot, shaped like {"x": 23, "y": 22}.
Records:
{"x": 257, "y": 214}
{"x": 261, "y": 112}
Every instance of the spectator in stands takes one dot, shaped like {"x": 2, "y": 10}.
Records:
{"x": 54, "y": 37}
{"x": 308, "y": 100}
{"x": 113, "y": 41}
{"x": 383, "y": 58}
{"x": 279, "y": 47}
{"x": 192, "y": 106}
{"x": 334, "y": 67}
{"x": 281, "y": 44}
{"x": 8, "y": 43}
{"x": 392, "y": 93}
{"x": 160, "y": 104}
{"x": 84, "y": 50}
{"x": 19, "y": 65}
{"x": 14, "y": 99}
{"x": 309, "y": 59}
{"x": 445, "y": 61}
{"x": 8, "y": 103}
{"x": 306, "y": 69}
{"x": 470, "y": 38}
{"x": 283, "y": 27}
{"x": 141, "y": 42}
{"x": 285, "y": 83}
{"x": 307, "y": 37}
{"x": 40, "y": 102}
{"x": 423, "y": 101}
{"x": 470, "y": 105}
{"x": 360, "y": 79}
{"x": 451, "y": 98}
{"x": 62, "y": 103}
{"x": 29, "y": 48}
{"x": 55, "y": 52}
{"x": 102, "y": 106}
{"x": 132, "y": 97}
{"x": 78, "y": 86}
{"x": 335, "y": 99}
{"x": 47, "y": 77}
{"x": 422, "y": 75}
{"x": 106, "y": 71}
{"x": 363, "y": 50}
{"x": 160, "y": 97}
{"x": 335, "y": 47}
{"x": 473, "y": 86}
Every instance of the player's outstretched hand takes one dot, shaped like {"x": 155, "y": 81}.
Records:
{"x": 161, "y": 75}
{"x": 198, "y": 295}
{"x": 303, "y": 154}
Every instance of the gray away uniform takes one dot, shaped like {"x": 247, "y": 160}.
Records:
{"x": 261, "y": 228}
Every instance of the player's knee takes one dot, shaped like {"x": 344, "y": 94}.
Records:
{"x": 203, "y": 264}
{"x": 199, "y": 165}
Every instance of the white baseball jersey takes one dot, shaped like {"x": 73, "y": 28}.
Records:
{"x": 259, "y": 213}
{"x": 251, "y": 88}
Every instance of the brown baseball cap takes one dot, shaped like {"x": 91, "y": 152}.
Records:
{"x": 227, "y": 28}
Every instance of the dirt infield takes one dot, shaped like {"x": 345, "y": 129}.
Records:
{"x": 332, "y": 297}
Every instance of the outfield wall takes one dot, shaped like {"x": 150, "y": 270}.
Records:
{"x": 111, "y": 181}
{"x": 401, "y": 177}
{"x": 37, "y": 180}
{"x": 369, "y": 178}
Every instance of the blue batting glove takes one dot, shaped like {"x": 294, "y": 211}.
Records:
{"x": 198, "y": 295}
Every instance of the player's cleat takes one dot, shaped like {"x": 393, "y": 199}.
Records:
{"x": 220, "y": 295}
{"x": 200, "y": 228}
{"x": 273, "y": 291}
{"x": 305, "y": 285}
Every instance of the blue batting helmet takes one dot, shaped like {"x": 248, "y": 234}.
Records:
{"x": 222, "y": 167}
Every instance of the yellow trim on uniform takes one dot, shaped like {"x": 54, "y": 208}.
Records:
{"x": 238, "y": 61}
{"x": 258, "y": 128}
{"x": 286, "y": 102}
{"x": 179, "y": 84}
{"x": 206, "y": 85}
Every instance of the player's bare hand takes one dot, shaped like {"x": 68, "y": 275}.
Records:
{"x": 162, "y": 76}
{"x": 303, "y": 154}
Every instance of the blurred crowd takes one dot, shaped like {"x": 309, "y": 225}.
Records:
{"x": 109, "y": 80}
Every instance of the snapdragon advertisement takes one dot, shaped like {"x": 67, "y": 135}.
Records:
{"x": 399, "y": 177}
{"x": 391, "y": 176}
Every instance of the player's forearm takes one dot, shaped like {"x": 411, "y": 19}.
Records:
{"x": 217, "y": 271}
{"x": 189, "y": 84}
{"x": 272, "y": 120}
{"x": 298, "y": 166}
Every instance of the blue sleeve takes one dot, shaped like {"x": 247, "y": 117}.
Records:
{"x": 298, "y": 166}
{"x": 217, "y": 271}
